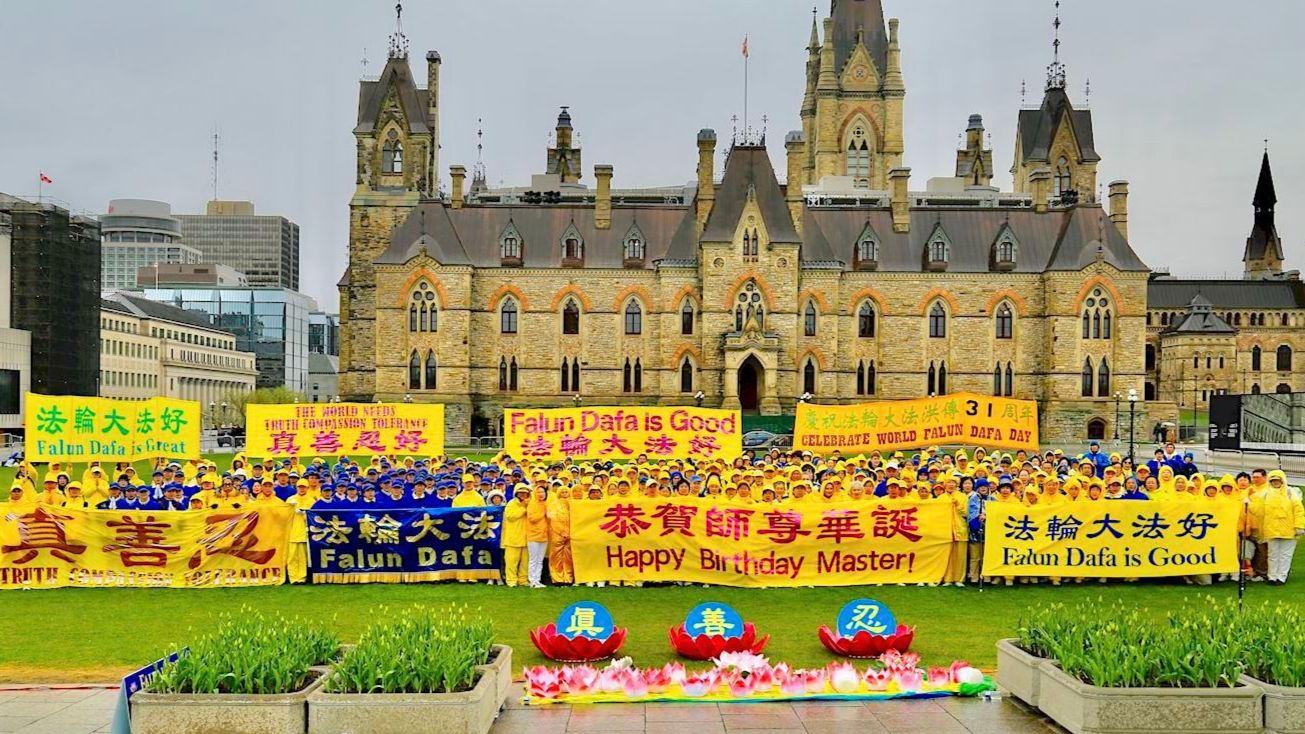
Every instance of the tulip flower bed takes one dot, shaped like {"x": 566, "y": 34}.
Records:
{"x": 748, "y": 677}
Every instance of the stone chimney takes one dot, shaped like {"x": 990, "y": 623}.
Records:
{"x": 898, "y": 179}
{"x": 1119, "y": 206}
{"x": 795, "y": 144}
{"x": 1040, "y": 187}
{"x": 603, "y": 201}
{"x": 458, "y": 174}
{"x": 706, "y": 175}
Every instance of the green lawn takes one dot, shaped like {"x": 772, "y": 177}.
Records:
{"x": 97, "y": 634}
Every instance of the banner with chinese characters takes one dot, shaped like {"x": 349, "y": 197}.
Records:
{"x": 732, "y": 544}
{"x": 74, "y": 428}
{"x": 960, "y": 418}
{"x": 623, "y": 433}
{"x": 44, "y": 547}
{"x": 336, "y": 429}
{"x": 1111, "y": 539}
{"x": 392, "y": 545}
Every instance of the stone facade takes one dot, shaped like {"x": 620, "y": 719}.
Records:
{"x": 840, "y": 282}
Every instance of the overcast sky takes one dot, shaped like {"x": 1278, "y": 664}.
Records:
{"x": 120, "y": 99}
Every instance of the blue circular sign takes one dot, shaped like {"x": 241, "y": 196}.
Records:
{"x": 714, "y": 619}
{"x": 585, "y": 619}
{"x": 866, "y": 615}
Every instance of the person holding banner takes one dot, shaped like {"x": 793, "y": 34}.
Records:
{"x": 516, "y": 563}
{"x": 1280, "y": 518}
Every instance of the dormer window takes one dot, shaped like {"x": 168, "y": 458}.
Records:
{"x": 392, "y": 154}
{"x": 865, "y": 252}
{"x": 938, "y": 250}
{"x": 509, "y": 246}
{"x": 1004, "y": 250}
{"x": 573, "y": 248}
{"x": 635, "y": 248}
{"x": 1062, "y": 181}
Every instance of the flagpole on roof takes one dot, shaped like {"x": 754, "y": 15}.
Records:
{"x": 745, "y": 87}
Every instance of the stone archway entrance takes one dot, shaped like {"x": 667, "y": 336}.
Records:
{"x": 750, "y": 381}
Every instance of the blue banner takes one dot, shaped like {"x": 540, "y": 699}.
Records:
{"x": 396, "y": 544}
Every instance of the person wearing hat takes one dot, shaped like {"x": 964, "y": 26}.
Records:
{"x": 172, "y": 498}
{"x": 976, "y": 516}
{"x": 561, "y": 565}
{"x": 1278, "y": 516}
{"x": 95, "y": 485}
{"x": 297, "y": 553}
{"x": 513, "y": 537}
{"x": 50, "y": 493}
{"x": 74, "y": 499}
{"x": 115, "y": 500}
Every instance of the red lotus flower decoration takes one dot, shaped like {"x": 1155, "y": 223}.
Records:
{"x": 865, "y": 645}
{"x": 577, "y": 650}
{"x": 704, "y": 647}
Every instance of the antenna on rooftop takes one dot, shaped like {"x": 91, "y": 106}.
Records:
{"x": 215, "y": 163}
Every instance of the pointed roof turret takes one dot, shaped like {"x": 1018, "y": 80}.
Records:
{"x": 1265, "y": 197}
{"x": 859, "y": 21}
{"x": 1263, "y": 246}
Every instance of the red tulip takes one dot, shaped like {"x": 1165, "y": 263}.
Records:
{"x": 865, "y": 645}
{"x": 704, "y": 647}
{"x": 577, "y": 650}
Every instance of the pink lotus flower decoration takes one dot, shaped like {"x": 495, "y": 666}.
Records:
{"x": 815, "y": 680}
{"x": 578, "y": 650}
{"x": 699, "y": 685}
{"x": 704, "y": 647}
{"x": 795, "y": 683}
{"x": 611, "y": 680}
{"x": 877, "y": 680}
{"x": 897, "y": 660}
{"x": 634, "y": 685}
{"x": 910, "y": 681}
{"x": 843, "y": 677}
{"x": 865, "y": 645}
{"x": 579, "y": 680}
{"x": 939, "y": 677}
{"x": 674, "y": 671}
{"x": 658, "y": 680}
{"x": 740, "y": 686}
{"x": 543, "y": 682}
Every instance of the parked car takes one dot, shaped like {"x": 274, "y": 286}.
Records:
{"x": 231, "y": 438}
{"x": 762, "y": 440}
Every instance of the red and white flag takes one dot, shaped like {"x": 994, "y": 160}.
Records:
{"x": 745, "y": 46}
{"x": 46, "y": 179}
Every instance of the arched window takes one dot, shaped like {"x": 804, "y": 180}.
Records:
{"x": 430, "y": 371}
{"x": 392, "y": 156}
{"x": 512, "y": 375}
{"x": 867, "y": 250}
{"x": 751, "y": 243}
{"x": 1148, "y": 391}
{"x": 1284, "y": 358}
{"x": 566, "y": 375}
{"x": 507, "y": 316}
{"x": 1103, "y": 379}
{"x": 1255, "y": 389}
{"x": 627, "y": 377}
{"x": 1105, "y": 325}
{"x": 412, "y": 317}
{"x": 1237, "y": 319}
{"x": 1087, "y": 325}
{"x": 633, "y": 318}
{"x": 870, "y": 378}
{"x": 1097, "y": 316}
{"x": 1096, "y": 430}
{"x": 686, "y": 375}
{"x": 686, "y": 318}
{"x": 575, "y": 374}
{"x": 414, "y": 371}
{"x": 502, "y": 373}
{"x": 1164, "y": 319}
{"x": 634, "y": 248}
{"x": 996, "y": 380}
{"x": 809, "y": 319}
{"x": 809, "y": 377}
{"x": 1208, "y": 361}
{"x": 571, "y": 317}
{"x": 422, "y": 309}
{"x": 749, "y": 305}
{"x": 638, "y": 375}
{"x": 860, "y": 378}
{"x": 942, "y": 378}
{"x": 865, "y": 321}
{"x": 933, "y": 380}
{"x": 1062, "y": 182}
{"x": 1010, "y": 380}
{"x": 937, "y": 321}
{"x": 858, "y": 156}
{"x": 1283, "y": 321}
{"x": 510, "y": 247}
{"x": 1256, "y": 354}
{"x": 938, "y": 251}
{"x": 1196, "y": 361}
{"x": 1005, "y": 254}
{"x": 572, "y": 249}
{"x": 1150, "y": 356}
{"x": 1005, "y": 322}
{"x": 1283, "y": 388}
{"x": 1088, "y": 375}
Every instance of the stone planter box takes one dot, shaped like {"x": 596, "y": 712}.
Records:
{"x": 1019, "y": 671}
{"x": 1085, "y": 709}
{"x": 1284, "y": 708}
{"x": 223, "y": 713}
{"x": 499, "y": 668}
{"x": 468, "y": 712}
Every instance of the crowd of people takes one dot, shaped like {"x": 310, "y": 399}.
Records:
{"x": 536, "y": 495}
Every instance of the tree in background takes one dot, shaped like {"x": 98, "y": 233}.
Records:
{"x": 237, "y": 400}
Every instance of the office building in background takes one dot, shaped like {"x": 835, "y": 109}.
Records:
{"x": 15, "y": 344}
{"x": 163, "y": 276}
{"x": 139, "y": 233}
{"x": 324, "y": 333}
{"x": 263, "y": 247}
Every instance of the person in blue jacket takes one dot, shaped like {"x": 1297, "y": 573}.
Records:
{"x": 1099, "y": 460}
{"x": 975, "y": 517}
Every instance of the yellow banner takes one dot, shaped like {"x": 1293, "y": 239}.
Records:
{"x": 44, "y": 547}
{"x": 960, "y": 418}
{"x": 71, "y": 427}
{"x": 810, "y": 543}
{"x": 1112, "y": 539}
{"x": 623, "y": 433}
{"x": 342, "y": 429}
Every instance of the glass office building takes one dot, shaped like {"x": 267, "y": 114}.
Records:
{"x": 270, "y": 322}
{"x": 263, "y": 247}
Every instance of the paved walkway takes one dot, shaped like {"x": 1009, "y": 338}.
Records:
{"x": 86, "y": 711}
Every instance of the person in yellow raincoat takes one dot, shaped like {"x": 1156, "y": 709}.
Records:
{"x": 513, "y": 538}
{"x": 297, "y": 559}
{"x": 95, "y": 486}
{"x": 561, "y": 566}
{"x": 960, "y": 504}
{"x": 537, "y": 534}
{"x": 1280, "y": 519}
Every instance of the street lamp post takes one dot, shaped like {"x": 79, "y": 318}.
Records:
{"x": 1116, "y": 415}
{"x": 698, "y": 397}
{"x": 1132, "y": 417}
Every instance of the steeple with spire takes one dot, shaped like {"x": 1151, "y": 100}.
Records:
{"x": 1263, "y": 255}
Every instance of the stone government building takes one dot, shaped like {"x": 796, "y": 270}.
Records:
{"x": 842, "y": 281}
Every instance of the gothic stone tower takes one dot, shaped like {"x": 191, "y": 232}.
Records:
{"x": 397, "y": 138}
{"x": 852, "y": 109}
